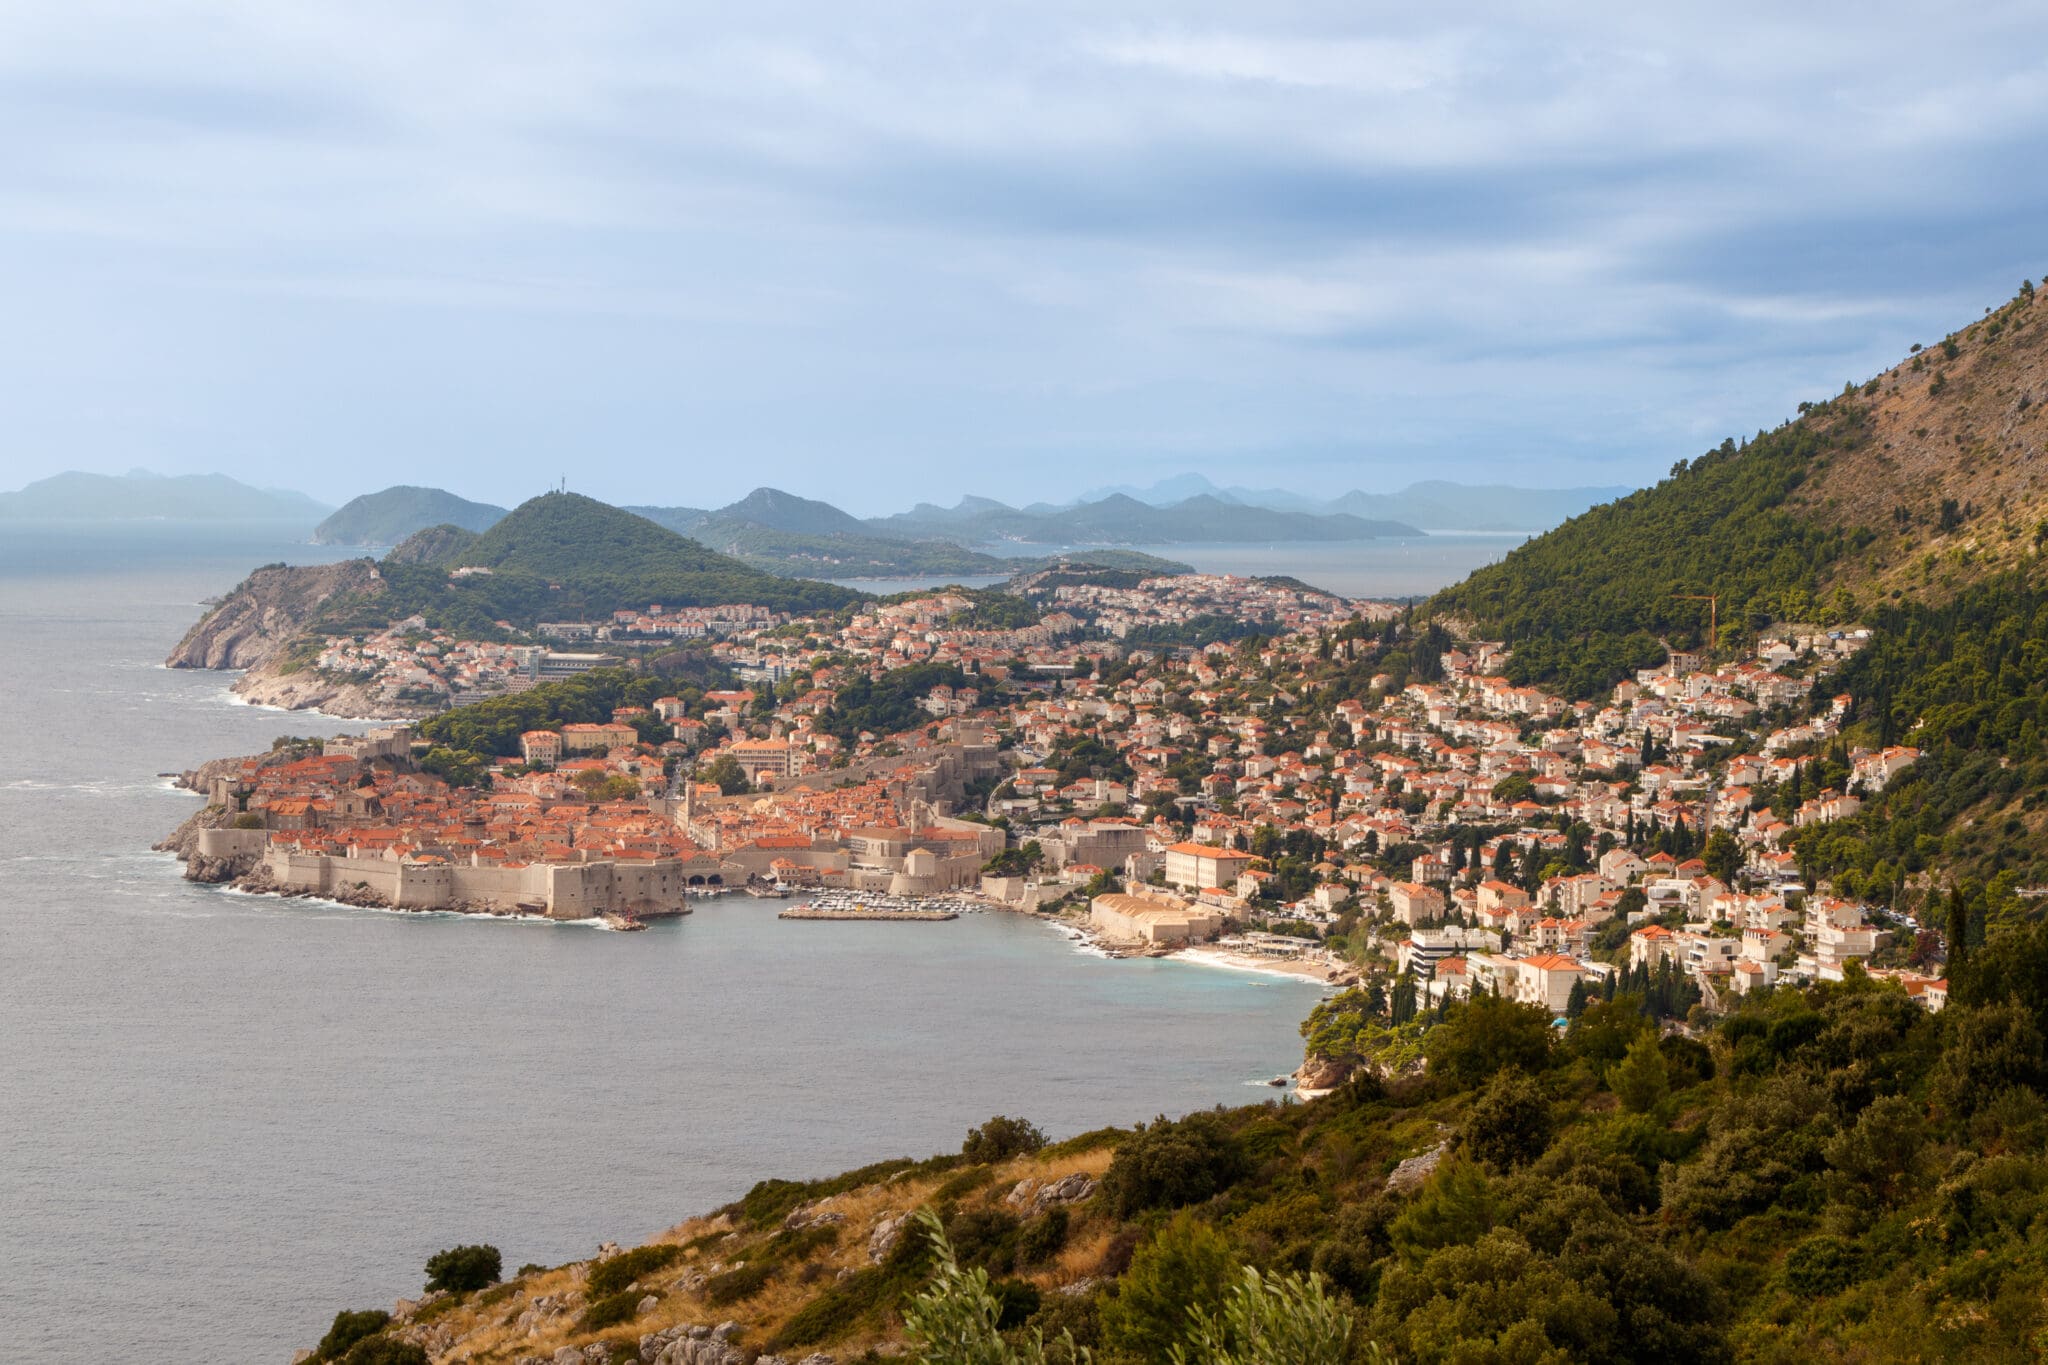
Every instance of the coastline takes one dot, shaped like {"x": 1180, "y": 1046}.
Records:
{"x": 1310, "y": 973}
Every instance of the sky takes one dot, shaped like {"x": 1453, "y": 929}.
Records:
{"x": 888, "y": 252}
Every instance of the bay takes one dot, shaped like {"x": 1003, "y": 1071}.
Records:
{"x": 224, "y": 1117}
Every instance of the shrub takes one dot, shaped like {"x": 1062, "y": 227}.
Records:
{"x": 1095, "y": 1139}
{"x": 1510, "y": 1124}
{"x": 1821, "y": 1265}
{"x": 962, "y": 1183}
{"x": 832, "y": 1314}
{"x": 348, "y": 1329}
{"x": 1488, "y": 1034}
{"x": 1000, "y": 1139}
{"x": 1272, "y": 1318}
{"x": 1041, "y": 1239}
{"x": 1169, "y": 1165}
{"x": 461, "y": 1269}
{"x": 1643, "y": 1078}
{"x": 611, "y": 1311}
{"x": 381, "y": 1350}
{"x": 735, "y": 1285}
{"x": 614, "y": 1273}
{"x": 1186, "y": 1268}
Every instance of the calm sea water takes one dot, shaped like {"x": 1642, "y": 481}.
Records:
{"x": 224, "y": 1117}
{"x": 1408, "y": 567}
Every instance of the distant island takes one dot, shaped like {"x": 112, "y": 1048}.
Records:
{"x": 387, "y": 517}
{"x": 142, "y": 496}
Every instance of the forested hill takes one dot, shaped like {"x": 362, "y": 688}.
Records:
{"x": 1913, "y": 486}
{"x": 390, "y": 516}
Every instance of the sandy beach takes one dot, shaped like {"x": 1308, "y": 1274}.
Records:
{"x": 1316, "y": 972}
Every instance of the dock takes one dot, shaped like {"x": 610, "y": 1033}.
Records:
{"x": 859, "y": 912}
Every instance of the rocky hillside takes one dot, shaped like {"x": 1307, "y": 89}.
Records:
{"x": 261, "y": 617}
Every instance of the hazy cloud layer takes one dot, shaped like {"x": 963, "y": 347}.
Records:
{"x": 891, "y": 251}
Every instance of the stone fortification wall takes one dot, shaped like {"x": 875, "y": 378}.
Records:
{"x": 559, "y": 890}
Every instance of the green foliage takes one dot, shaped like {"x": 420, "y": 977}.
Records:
{"x": 1000, "y": 1139}
{"x": 615, "y": 1273}
{"x": 1641, "y": 1079}
{"x": 611, "y": 1310}
{"x": 769, "y": 1200}
{"x": 459, "y": 1270}
{"x": 1353, "y": 1026}
{"x": 726, "y": 773}
{"x": 889, "y": 704}
{"x": 1585, "y": 605}
{"x": 382, "y": 1350}
{"x": 1186, "y": 1268}
{"x": 613, "y": 556}
{"x": 1015, "y": 862}
{"x": 1486, "y": 1034}
{"x": 957, "y": 1318}
{"x": 348, "y": 1329}
{"x": 493, "y": 726}
{"x": 1510, "y": 1122}
{"x": 1966, "y": 682}
{"x": 1271, "y": 1320}
{"x": 1171, "y": 1164}
{"x": 735, "y": 1286}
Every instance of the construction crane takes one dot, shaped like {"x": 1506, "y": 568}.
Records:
{"x": 1713, "y": 601}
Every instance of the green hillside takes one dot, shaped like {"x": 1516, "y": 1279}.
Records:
{"x": 562, "y": 556}
{"x": 1587, "y": 603}
{"x": 1915, "y": 485}
{"x": 1830, "y": 1174}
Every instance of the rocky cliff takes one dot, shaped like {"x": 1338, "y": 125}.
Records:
{"x": 256, "y": 621}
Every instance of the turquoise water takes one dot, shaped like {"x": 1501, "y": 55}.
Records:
{"x": 224, "y": 1117}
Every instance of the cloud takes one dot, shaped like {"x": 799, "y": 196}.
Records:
{"x": 894, "y": 252}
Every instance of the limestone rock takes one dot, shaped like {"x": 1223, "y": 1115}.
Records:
{"x": 1071, "y": 1190}
{"x": 887, "y": 1233}
{"x": 811, "y": 1216}
{"x": 1416, "y": 1169}
{"x": 700, "y": 1351}
{"x": 1322, "y": 1073}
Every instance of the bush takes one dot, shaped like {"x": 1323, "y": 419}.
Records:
{"x": 1169, "y": 1165}
{"x": 1041, "y": 1239}
{"x": 462, "y": 1269}
{"x": 611, "y": 1311}
{"x": 1488, "y": 1034}
{"x": 1821, "y": 1265}
{"x": 1186, "y": 1268}
{"x": 1642, "y": 1079}
{"x": 1510, "y": 1124}
{"x": 348, "y": 1329}
{"x": 1000, "y": 1139}
{"x": 614, "y": 1273}
{"x": 381, "y": 1350}
{"x": 735, "y": 1285}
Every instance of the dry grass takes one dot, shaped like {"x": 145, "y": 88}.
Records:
{"x": 487, "y": 1334}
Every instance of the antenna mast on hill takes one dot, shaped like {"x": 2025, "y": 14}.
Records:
{"x": 1713, "y": 601}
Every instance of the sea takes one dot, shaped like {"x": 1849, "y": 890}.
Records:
{"x": 225, "y": 1117}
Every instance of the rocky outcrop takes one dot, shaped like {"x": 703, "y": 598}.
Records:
{"x": 1322, "y": 1073}
{"x": 184, "y": 840}
{"x": 269, "y": 684}
{"x": 255, "y": 622}
{"x": 1032, "y": 1198}
{"x": 1416, "y": 1169}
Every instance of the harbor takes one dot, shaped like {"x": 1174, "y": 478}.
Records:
{"x": 851, "y": 905}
